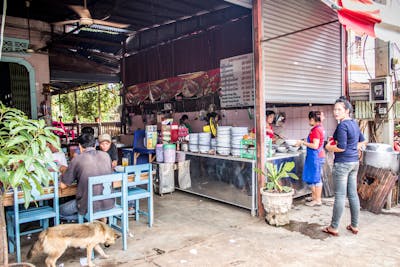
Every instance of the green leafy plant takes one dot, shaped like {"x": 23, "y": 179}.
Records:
{"x": 25, "y": 159}
{"x": 274, "y": 174}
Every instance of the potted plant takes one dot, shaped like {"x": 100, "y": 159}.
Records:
{"x": 276, "y": 197}
{"x": 25, "y": 159}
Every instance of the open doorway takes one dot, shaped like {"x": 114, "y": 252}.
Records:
{"x": 15, "y": 86}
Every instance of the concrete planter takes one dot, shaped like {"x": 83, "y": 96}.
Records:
{"x": 277, "y": 206}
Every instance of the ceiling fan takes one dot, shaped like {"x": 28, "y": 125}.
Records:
{"x": 87, "y": 20}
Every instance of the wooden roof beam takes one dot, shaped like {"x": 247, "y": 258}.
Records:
{"x": 89, "y": 40}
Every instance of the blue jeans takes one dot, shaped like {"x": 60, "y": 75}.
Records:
{"x": 345, "y": 181}
{"x": 69, "y": 211}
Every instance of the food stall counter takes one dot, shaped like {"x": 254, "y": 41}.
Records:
{"x": 227, "y": 179}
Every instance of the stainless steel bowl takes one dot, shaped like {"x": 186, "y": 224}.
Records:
{"x": 281, "y": 149}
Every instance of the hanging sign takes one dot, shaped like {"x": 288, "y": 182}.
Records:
{"x": 237, "y": 88}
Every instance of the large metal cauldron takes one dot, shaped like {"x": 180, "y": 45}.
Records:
{"x": 381, "y": 156}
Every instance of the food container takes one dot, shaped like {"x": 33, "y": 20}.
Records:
{"x": 180, "y": 156}
{"x": 159, "y": 153}
{"x": 151, "y": 136}
{"x": 169, "y": 153}
{"x": 184, "y": 147}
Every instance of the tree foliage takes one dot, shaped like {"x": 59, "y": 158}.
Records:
{"x": 87, "y": 104}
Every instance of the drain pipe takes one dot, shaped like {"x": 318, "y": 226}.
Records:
{"x": 3, "y": 22}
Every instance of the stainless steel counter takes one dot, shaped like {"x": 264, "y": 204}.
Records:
{"x": 226, "y": 178}
{"x": 217, "y": 156}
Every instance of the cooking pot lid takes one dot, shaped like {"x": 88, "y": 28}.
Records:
{"x": 379, "y": 147}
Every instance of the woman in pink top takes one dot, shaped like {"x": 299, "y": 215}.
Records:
{"x": 270, "y": 116}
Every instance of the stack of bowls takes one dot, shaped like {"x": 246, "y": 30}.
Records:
{"x": 194, "y": 142}
{"x": 236, "y": 137}
{"x": 204, "y": 142}
{"x": 224, "y": 140}
{"x": 214, "y": 143}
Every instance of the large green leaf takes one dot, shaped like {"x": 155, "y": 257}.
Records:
{"x": 274, "y": 174}
{"x": 21, "y": 128}
{"x": 35, "y": 149}
{"x": 24, "y": 156}
{"x": 288, "y": 166}
{"x": 15, "y": 141}
{"x": 293, "y": 176}
{"x": 18, "y": 176}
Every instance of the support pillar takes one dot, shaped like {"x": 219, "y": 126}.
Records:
{"x": 259, "y": 99}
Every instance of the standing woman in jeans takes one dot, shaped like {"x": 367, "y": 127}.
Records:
{"x": 347, "y": 141}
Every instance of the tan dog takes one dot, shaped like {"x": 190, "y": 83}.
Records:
{"x": 55, "y": 240}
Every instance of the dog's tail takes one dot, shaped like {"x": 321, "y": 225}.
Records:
{"x": 36, "y": 248}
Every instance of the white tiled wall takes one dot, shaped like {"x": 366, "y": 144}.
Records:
{"x": 295, "y": 127}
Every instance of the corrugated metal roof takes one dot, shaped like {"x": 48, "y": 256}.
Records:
{"x": 151, "y": 19}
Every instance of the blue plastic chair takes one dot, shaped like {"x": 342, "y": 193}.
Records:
{"x": 139, "y": 147}
{"x": 42, "y": 213}
{"x": 141, "y": 188}
{"x": 114, "y": 186}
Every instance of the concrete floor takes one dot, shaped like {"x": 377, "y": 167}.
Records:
{"x": 194, "y": 231}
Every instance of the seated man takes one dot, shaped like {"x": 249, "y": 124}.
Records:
{"x": 85, "y": 130}
{"x": 106, "y": 145}
{"x": 59, "y": 158}
{"x": 90, "y": 162}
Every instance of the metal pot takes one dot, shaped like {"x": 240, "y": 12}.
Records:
{"x": 381, "y": 156}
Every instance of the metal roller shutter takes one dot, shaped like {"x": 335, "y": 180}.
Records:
{"x": 302, "y": 59}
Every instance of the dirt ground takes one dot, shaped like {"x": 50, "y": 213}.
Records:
{"x": 193, "y": 231}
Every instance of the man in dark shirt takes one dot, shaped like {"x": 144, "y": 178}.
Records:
{"x": 90, "y": 162}
{"x": 106, "y": 145}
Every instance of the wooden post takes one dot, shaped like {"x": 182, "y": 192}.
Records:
{"x": 260, "y": 98}
{"x": 76, "y": 103}
{"x": 59, "y": 105}
{"x": 123, "y": 68}
{"x": 3, "y": 235}
{"x": 99, "y": 109}
{"x": 76, "y": 114}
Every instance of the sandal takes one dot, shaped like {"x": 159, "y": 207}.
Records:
{"x": 329, "y": 231}
{"x": 313, "y": 203}
{"x": 352, "y": 229}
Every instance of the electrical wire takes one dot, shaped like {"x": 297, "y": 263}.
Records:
{"x": 396, "y": 87}
{"x": 363, "y": 55}
{"x": 3, "y": 22}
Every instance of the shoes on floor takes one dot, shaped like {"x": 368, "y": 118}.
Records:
{"x": 313, "y": 203}
{"x": 352, "y": 229}
{"x": 309, "y": 199}
{"x": 329, "y": 231}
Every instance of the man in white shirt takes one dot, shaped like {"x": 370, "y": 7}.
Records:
{"x": 59, "y": 158}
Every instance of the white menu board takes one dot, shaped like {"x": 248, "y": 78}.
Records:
{"x": 237, "y": 81}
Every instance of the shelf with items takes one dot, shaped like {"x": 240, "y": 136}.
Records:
{"x": 248, "y": 148}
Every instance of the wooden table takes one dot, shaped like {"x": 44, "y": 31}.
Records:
{"x": 66, "y": 192}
